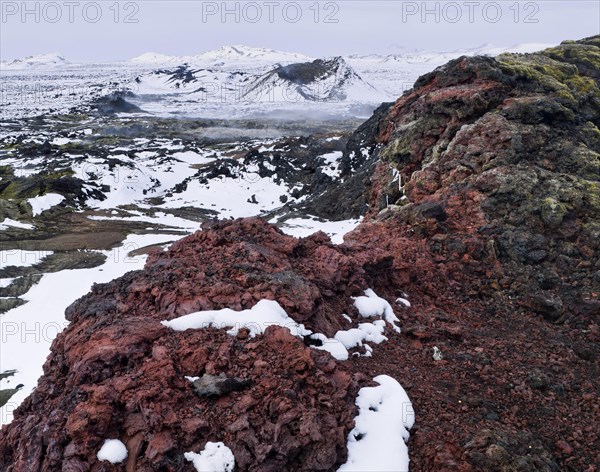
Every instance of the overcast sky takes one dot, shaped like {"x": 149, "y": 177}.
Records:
{"x": 110, "y": 30}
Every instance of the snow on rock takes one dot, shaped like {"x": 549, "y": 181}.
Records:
{"x": 372, "y": 305}
{"x": 378, "y": 441}
{"x": 113, "y": 451}
{"x": 257, "y": 319}
{"x": 216, "y": 457}
{"x": 268, "y": 312}
{"x": 303, "y": 227}
{"x": 333, "y": 346}
{"x": 44, "y": 202}
{"x": 372, "y": 332}
{"x": 404, "y": 302}
{"x": 332, "y": 161}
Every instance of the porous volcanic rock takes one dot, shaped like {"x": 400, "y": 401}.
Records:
{"x": 116, "y": 372}
{"x": 483, "y": 189}
{"x": 505, "y": 155}
{"x": 486, "y": 192}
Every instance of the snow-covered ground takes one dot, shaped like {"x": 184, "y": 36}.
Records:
{"x": 33, "y": 91}
{"x": 26, "y": 332}
{"x": 50, "y": 83}
{"x": 130, "y": 175}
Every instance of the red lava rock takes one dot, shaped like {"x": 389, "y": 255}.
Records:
{"x": 159, "y": 445}
{"x": 116, "y": 372}
{"x": 495, "y": 243}
{"x": 564, "y": 447}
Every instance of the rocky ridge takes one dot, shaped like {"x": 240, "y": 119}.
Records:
{"x": 482, "y": 188}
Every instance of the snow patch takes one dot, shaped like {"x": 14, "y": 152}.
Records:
{"x": 6, "y": 282}
{"x": 44, "y": 202}
{"x": 113, "y": 451}
{"x": 378, "y": 441}
{"x": 257, "y": 319}
{"x": 20, "y": 258}
{"x": 58, "y": 141}
{"x": 8, "y": 223}
{"x": 372, "y": 305}
{"x": 158, "y": 218}
{"x": 216, "y": 457}
{"x": 303, "y": 227}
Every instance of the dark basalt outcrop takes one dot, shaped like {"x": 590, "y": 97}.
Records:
{"x": 116, "y": 103}
{"x": 349, "y": 198}
{"x": 484, "y": 206}
{"x": 308, "y": 72}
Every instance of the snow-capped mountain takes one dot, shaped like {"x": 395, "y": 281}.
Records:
{"x": 155, "y": 58}
{"x": 319, "y": 81}
{"x": 241, "y": 53}
{"x": 322, "y": 80}
{"x": 233, "y": 81}
{"x": 441, "y": 57}
{"x": 223, "y": 54}
{"x": 41, "y": 61}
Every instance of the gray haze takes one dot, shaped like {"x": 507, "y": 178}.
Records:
{"x": 107, "y": 30}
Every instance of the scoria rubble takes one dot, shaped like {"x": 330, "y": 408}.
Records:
{"x": 481, "y": 195}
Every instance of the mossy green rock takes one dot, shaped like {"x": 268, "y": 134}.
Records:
{"x": 520, "y": 135}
